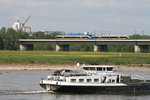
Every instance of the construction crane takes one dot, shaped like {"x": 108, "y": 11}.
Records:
{"x": 25, "y": 22}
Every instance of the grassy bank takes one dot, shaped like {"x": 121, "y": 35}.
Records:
{"x": 50, "y": 57}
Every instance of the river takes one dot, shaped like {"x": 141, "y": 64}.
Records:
{"x": 24, "y": 85}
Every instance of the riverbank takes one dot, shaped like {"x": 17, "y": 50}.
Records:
{"x": 6, "y": 67}
{"x": 51, "y": 57}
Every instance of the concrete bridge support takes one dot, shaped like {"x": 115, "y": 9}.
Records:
{"x": 141, "y": 48}
{"x": 101, "y": 48}
{"x": 26, "y": 47}
{"x": 62, "y": 47}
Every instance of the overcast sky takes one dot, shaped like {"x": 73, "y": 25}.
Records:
{"x": 114, "y": 16}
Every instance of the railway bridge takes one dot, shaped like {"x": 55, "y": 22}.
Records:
{"x": 140, "y": 45}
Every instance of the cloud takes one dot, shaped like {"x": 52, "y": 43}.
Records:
{"x": 78, "y": 15}
{"x": 32, "y": 3}
{"x": 87, "y": 3}
{"x": 102, "y": 3}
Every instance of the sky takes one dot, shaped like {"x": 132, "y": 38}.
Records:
{"x": 123, "y": 17}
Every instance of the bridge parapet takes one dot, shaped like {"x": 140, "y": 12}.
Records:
{"x": 99, "y": 45}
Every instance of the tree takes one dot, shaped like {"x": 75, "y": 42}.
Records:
{"x": 38, "y": 35}
{"x": 23, "y": 35}
{"x": 2, "y": 38}
{"x": 51, "y": 36}
{"x": 138, "y": 36}
{"x": 11, "y": 39}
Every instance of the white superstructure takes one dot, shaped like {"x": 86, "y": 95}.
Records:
{"x": 91, "y": 75}
{"x": 94, "y": 79}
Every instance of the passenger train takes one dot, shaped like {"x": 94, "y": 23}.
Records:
{"x": 85, "y": 36}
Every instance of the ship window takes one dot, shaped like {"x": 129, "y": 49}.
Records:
{"x": 104, "y": 69}
{"x": 86, "y": 68}
{"x": 67, "y": 70}
{"x": 109, "y": 68}
{"x": 89, "y": 80}
{"x": 81, "y": 80}
{"x": 109, "y": 81}
{"x": 73, "y": 80}
{"x": 99, "y": 69}
{"x": 92, "y": 68}
{"x": 113, "y": 81}
{"x": 96, "y": 80}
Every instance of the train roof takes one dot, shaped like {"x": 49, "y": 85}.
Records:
{"x": 72, "y": 35}
{"x": 111, "y": 35}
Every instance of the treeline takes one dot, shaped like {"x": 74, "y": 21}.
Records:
{"x": 9, "y": 41}
{"x": 9, "y": 38}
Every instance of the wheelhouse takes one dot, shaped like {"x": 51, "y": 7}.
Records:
{"x": 98, "y": 68}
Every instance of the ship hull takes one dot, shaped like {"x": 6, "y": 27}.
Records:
{"x": 132, "y": 89}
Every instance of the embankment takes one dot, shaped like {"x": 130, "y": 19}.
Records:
{"x": 63, "y": 66}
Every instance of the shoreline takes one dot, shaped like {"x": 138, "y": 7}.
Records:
{"x": 19, "y": 67}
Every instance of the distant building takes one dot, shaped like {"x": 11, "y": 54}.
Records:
{"x": 26, "y": 29}
{"x": 19, "y": 26}
{"x": 51, "y": 32}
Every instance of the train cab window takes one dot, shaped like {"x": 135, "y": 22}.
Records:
{"x": 81, "y": 80}
{"x": 73, "y": 80}
{"x": 99, "y": 68}
{"x": 88, "y": 80}
{"x": 109, "y": 68}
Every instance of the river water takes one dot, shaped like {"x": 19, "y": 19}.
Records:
{"x": 24, "y": 85}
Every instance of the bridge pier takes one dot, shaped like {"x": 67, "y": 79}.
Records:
{"x": 26, "y": 47}
{"x": 62, "y": 47}
{"x": 101, "y": 48}
{"x": 141, "y": 48}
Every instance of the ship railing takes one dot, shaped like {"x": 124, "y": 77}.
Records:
{"x": 140, "y": 77}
